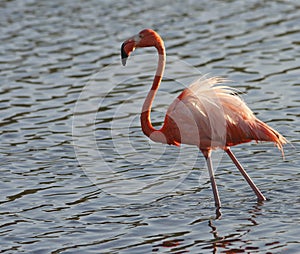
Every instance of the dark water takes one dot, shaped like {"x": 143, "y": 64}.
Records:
{"x": 78, "y": 176}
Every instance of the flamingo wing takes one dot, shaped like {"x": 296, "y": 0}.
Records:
{"x": 211, "y": 115}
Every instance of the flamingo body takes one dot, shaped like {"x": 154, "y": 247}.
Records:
{"x": 206, "y": 114}
{"x": 212, "y": 116}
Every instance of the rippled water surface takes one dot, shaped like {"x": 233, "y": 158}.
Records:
{"x": 78, "y": 175}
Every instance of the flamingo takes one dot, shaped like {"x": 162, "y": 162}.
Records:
{"x": 206, "y": 114}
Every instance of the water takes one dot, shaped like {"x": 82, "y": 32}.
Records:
{"x": 78, "y": 176}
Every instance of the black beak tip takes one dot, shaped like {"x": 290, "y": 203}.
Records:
{"x": 124, "y": 56}
{"x": 124, "y": 61}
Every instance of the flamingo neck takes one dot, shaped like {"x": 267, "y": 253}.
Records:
{"x": 147, "y": 127}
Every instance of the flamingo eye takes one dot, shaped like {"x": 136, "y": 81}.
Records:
{"x": 137, "y": 38}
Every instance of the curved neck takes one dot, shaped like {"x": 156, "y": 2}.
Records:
{"x": 147, "y": 127}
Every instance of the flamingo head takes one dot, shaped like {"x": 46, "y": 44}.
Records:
{"x": 145, "y": 38}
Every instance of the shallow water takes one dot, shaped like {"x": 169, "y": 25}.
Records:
{"x": 78, "y": 175}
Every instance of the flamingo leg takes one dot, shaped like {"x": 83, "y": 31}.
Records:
{"x": 258, "y": 193}
{"x": 207, "y": 155}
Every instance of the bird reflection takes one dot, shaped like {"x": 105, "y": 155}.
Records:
{"x": 220, "y": 242}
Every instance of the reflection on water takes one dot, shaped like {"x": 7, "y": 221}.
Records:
{"x": 51, "y": 50}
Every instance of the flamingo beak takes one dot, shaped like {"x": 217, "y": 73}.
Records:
{"x": 124, "y": 55}
{"x": 127, "y": 47}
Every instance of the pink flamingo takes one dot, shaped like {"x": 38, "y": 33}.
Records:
{"x": 205, "y": 114}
